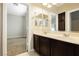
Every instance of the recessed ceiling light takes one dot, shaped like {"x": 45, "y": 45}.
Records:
{"x": 49, "y": 6}
{"x": 45, "y": 4}
{"x": 54, "y": 3}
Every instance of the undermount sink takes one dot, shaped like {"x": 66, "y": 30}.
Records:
{"x": 45, "y": 33}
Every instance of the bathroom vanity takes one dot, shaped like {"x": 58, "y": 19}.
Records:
{"x": 46, "y": 46}
{"x": 63, "y": 39}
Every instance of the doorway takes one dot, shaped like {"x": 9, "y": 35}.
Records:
{"x": 16, "y": 28}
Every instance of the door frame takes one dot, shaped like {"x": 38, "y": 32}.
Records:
{"x": 4, "y": 32}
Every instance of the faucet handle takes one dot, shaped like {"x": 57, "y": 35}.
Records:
{"x": 66, "y": 35}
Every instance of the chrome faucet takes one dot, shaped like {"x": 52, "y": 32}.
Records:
{"x": 66, "y": 35}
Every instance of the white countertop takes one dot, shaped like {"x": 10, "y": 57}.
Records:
{"x": 60, "y": 37}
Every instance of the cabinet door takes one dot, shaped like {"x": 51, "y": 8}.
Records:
{"x": 44, "y": 46}
{"x": 69, "y": 49}
{"x": 53, "y": 45}
{"x": 57, "y": 48}
{"x": 61, "y": 48}
{"x": 36, "y": 43}
{"x": 76, "y": 50}
{"x": 61, "y": 21}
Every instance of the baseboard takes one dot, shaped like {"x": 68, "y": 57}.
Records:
{"x": 31, "y": 50}
{"x": 23, "y": 54}
{"x": 17, "y": 37}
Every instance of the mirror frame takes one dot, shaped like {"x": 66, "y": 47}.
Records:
{"x": 68, "y": 22}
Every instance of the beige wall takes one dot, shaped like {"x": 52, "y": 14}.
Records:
{"x": 67, "y": 7}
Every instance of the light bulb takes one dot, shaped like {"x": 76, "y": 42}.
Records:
{"x": 45, "y": 4}
{"x": 49, "y": 6}
{"x": 54, "y": 3}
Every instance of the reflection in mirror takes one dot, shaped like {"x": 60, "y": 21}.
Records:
{"x": 46, "y": 22}
{"x": 40, "y": 22}
{"x": 53, "y": 22}
{"x": 74, "y": 20}
{"x": 36, "y": 23}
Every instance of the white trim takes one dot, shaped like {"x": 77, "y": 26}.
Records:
{"x": 32, "y": 50}
{"x": 56, "y": 22}
{"x": 23, "y": 54}
{"x": 73, "y": 10}
{"x": 30, "y": 29}
{"x": 4, "y": 34}
{"x": 61, "y": 12}
{"x": 66, "y": 22}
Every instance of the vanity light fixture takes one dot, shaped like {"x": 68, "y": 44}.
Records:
{"x": 49, "y": 5}
{"x": 54, "y": 3}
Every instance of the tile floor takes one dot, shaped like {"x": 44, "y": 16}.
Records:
{"x": 16, "y": 46}
{"x": 32, "y": 53}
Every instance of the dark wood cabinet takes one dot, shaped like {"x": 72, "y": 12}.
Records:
{"x": 36, "y": 43}
{"x": 52, "y": 47}
{"x": 76, "y": 53}
{"x": 61, "y": 21}
{"x": 44, "y": 46}
{"x": 57, "y": 48}
{"x": 41, "y": 45}
{"x": 68, "y": 49}
{"x": 61, "y": 48}
{"x": 65, "y": 48}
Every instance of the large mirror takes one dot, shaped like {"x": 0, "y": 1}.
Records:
{"x": 40, "y": 18}
{"x": 53, "y": 22}
{"x": 74, "y": 20}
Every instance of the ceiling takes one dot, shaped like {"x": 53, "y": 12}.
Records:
{"x": 16, "y": 9}
{"x": 53, "y": 8}
{"x": 59, "y": 7}
{"x": 41, "y": 4}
